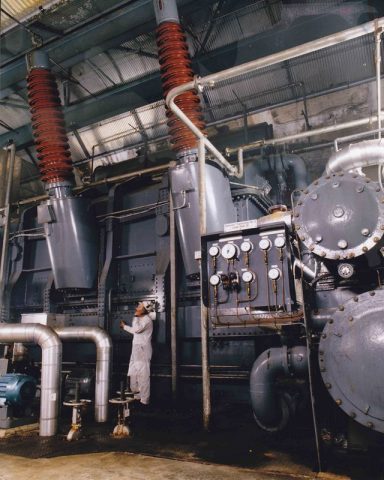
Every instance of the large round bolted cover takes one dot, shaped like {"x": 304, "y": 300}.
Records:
{"x": 340, "y": 216}
{"x": 351, "y": 354}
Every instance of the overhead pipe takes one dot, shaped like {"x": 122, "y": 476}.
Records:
{"x": 6, "y": 226}
{"x": 357, "y": 155}
{"x": 310, "y": 133}
{"x": 104, "y": 181}
{"x": 269, "y": 60}
{"x": 103, "y": 344}
{"x": 51, "y": 358}
{"x": 378, "y": 33}
{"x": 271, "y": 411}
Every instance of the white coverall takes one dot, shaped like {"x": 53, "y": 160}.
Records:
{"x": 140, "y": 362}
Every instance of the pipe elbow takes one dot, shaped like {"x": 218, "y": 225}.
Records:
{"x": 262, "y": 388}
{"x": 46, "y": 338}
{"x": 357, "y": 155}
{"x": 271, "y": 410}
{"x": 103, "y": 340}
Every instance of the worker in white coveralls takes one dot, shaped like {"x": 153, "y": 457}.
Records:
{"x": 140, "y": 362}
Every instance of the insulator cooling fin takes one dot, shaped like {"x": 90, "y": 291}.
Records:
{"x": 48, "y": 127}
{"x": 176, "y": 69}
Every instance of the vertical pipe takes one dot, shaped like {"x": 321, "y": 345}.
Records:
{"x": 7, "y": 211}
{"x": 51, "y": 358}
{"x": 378, "y": 78}
{"x": 203, "y": 309}
{"x": 172, "y": 256}
{"x": 378, "y": 31}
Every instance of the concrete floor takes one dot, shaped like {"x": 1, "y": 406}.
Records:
{"x": 170, "y": 445}
{"x": 118, "y": 465}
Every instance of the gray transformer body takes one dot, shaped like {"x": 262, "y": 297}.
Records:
{"x": 185, "y": 192}
{"x": 72, "y": 241}
{"x": 273, "y": 288}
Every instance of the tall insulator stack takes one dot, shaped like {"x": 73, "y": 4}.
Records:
{"x": 68, "y": 225}
{"x": 48, "y": 125}
{"x": 176, "y": 69}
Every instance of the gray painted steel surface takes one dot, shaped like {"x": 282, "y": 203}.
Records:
{"x": 103, "y": 344}
{"x": 71, "y": 240}
{"x": 51, "y": 350}
{"x": 340, "y": 216}
{"x": 350, "y": 357}
{"x": 220, "y": 208}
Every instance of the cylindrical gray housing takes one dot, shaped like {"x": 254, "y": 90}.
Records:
{"x": 72, "y": 241}
{"x": 185, "y": 194}
{"x": 166, "y": 11}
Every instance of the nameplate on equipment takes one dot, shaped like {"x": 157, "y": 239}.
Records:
{"x": 235, "y": 227}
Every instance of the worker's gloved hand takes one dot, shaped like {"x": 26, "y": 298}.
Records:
{"x": 122, "y": 324}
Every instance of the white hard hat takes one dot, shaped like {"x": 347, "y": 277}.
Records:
{"x": 147, "y": 305}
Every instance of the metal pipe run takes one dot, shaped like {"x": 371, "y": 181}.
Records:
{"x": 310, "y": 133}
{"x": 272, "y": 412}
{"x": 6, "y": 225}
{"x": 173, "y": 296}
{"x": 357, "y": 155}
{"x": 105, "y": 181}
{"x": 103, "y": 344}
{"x": 378, "y": 32}
{"x": 51, "y": 356}
{"x": 206, "y": 381}
{"x": 210, "y": 80}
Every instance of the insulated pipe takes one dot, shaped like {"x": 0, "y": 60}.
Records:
{"x": 357, "y": 155}
{"x": 271, "y": 412}
{"x": 51, "y": 356}
{"x": 7, "y": 221}
{"x": 103, "y": 344}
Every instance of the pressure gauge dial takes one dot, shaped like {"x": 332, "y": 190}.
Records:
{"x": 274, "y": 273}
{"x": 246, "y": 246}
{"x": 279, "y": 242}
{"x": 265, "y": 244}
{"x": 247, "y": 276}
{"x": 214, "y": 251}
{"x": 229, "y": 251}
{"x": 214, "y": 280}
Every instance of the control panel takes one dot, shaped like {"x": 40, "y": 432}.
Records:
{"x": 247, "y": 280}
